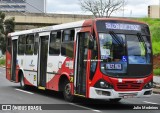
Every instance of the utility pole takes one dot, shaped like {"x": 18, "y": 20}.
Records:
{"x": 131, "y": 13}
{"x": 123, "y": 8}
{"x": 45, "y": 5}
{"x": 101, "y": 8}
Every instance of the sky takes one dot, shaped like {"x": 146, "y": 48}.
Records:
{"x": 133, "y": 8}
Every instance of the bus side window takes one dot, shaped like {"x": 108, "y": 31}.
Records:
{"x": 68, "y": 43}
{"x": 55, "y": 41}
{"x": 21, "y": 44}
{"x": 36, "y": 42}
{"x": 29, "y": 44}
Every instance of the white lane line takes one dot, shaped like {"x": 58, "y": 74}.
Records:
{"x": 24, "y": 91}
{"x": 97, "y": 111}
{"x": 85, "y": 107}
{"x": 149, "y": 102}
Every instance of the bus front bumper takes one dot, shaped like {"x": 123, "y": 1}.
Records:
{"x": 98, "y": 93}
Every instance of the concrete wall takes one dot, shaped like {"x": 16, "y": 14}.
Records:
{"x": 35, "y": 20}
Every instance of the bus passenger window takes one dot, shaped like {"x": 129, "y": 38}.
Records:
{"x": 68, "y": 35}
{"x": 21, "y": 45}
{"x": 29, "y": 44}
{"x": 36, "y": 43}
{"x": 55, "y": 41}
{"x": 68, "y": 43}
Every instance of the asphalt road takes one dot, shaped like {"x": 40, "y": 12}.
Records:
{"x": 11, "y": 93}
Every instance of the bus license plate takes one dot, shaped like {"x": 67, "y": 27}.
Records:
{"x": 128, "y": 96}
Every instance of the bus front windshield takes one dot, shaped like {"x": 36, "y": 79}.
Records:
{"x": 117, "y": 51}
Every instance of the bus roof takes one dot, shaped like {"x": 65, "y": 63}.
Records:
{"x": 68, "y": 25}
{"x": 49, "y": 28}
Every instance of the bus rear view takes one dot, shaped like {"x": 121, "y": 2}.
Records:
{"x": 125, "y": 60}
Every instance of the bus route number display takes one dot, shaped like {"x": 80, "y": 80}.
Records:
{"x": 121, "y": 26}
{"x": 114, "y": 66}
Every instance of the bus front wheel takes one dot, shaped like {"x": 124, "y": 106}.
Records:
{"x": 67, "y": 91}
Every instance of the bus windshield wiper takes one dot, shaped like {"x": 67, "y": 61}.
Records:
{"x": 140, "y": 38}
{"x": 116, "y": 38}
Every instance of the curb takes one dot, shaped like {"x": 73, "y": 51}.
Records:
{"x": 156, "y": 88}
{"x": 2, "y": 67}
{"x": 156, "y": 85}
{"x": 156, "y": 92}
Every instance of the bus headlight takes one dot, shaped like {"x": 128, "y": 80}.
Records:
{"x": 103, "y": 84}
{"x": 148, "y": 85}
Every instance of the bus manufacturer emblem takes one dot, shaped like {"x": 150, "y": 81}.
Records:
{"x": 120, "y": 80}
{"x": 140, "y": 81}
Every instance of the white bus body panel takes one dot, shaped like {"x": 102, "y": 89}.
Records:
{"x": 53, "y": 65}
{"x": 28, "y": 63}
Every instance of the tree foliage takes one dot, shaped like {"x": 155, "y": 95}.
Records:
{"x": 6, "y": 26}
{"x": 10, "y": 25}
{"x": 102, "y": 8}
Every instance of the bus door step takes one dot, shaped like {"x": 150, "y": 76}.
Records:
{"x": 42, "y": 88}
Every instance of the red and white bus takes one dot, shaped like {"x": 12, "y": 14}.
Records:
{"x": 103, "y": 58}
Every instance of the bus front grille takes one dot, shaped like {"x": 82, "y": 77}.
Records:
{"x": 123, "y": 86}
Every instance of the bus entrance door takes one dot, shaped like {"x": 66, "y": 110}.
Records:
{"x": 81, "y": 65}
{"x": 14, "y": 60}
{"x": 43, "y": 54}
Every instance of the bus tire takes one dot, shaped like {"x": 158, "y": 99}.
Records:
{"x": 67, "y": 92}
{"x": 23, "y": 86}
{"x": 115, "y": 100}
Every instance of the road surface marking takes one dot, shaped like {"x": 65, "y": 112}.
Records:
{"x": 149, "y": 102}
{"x": 24, "y": 91}
{"x": 85, "y": 107}
{"x": 96, "y": 110}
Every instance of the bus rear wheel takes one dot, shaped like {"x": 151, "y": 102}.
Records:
{"x": 67, "y": 92}
{"x": 22, "y": 84}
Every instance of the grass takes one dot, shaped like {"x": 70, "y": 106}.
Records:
{"x": 156, "y": 71}
{"x": 154, "y": 25}
{"x": 156, "y": 48}
{"x": 2, "y": 62}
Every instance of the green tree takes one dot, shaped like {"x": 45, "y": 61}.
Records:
{"x": 2, "y": 36}
{"x": 6, "y": 26}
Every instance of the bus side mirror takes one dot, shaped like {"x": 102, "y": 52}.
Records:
{"x": 91, "y": 43}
